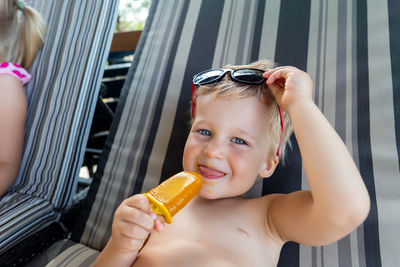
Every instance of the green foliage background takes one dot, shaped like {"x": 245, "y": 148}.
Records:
{"x": 132, "y": 15}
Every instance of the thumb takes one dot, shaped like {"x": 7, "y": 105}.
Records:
{"x": 277, "y": 90}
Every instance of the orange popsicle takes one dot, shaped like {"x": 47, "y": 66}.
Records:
{"x": 174, "y": 193}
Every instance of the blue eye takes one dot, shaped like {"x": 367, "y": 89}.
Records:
{"x": 204, "y": 132}
{"x": 238, "y": 141}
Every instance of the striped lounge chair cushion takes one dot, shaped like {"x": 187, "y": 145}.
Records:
{"x": 349, "y": 49}
{"x": 28, "y": 214}
{"x": 61, "y": 101}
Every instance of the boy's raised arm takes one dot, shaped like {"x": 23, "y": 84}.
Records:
{"x": 338, "y": 200}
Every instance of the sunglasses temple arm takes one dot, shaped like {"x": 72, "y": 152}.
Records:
{"x": 280, "y": 141}
{"x": 193, "y": 99}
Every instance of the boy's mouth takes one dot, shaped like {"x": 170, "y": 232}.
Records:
{"x": 210, "y": 173}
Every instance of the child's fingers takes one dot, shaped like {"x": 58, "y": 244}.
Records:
{"x": 136, "y": 210}
{"x": 129, "y": 235}
{"x": 138, "y": 201}
{"x": 159, "y": 224}
{"x": 130, "y": 230}
{"x": 125, "y": 242}
{"x": 141, "y": 202}
{"x": 136, "y": 216}
{"x": 276, "y": 82}
{"x": 277, "y": 76}
{"x": 275, "y": 89}
{"x": 269, "y": 72}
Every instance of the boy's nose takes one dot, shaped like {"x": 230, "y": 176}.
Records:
{"x": 214, "y": 150}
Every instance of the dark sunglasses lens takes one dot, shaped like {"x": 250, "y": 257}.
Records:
{"x": 207, "y": 77}
{"x": 248, "y": 76}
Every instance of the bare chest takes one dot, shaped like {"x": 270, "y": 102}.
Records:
{"x": 211, "y": 237}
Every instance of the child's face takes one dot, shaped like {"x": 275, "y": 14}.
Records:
{"x": 228, "y": 145}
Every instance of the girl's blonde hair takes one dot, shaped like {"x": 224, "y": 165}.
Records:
{"x": 231, "y": 89}
{"x": 20, "y": 36}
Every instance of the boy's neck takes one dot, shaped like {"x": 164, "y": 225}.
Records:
{"x": 204, "y": 201}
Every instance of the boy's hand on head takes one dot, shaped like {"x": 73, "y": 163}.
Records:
{"x": 289, "y": 85}
{"x": 133, "y": 221}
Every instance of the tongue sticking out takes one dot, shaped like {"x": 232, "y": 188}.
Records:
{"x": 210, "y": 173}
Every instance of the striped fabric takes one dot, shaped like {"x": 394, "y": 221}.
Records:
{"x": 351, "y": 50}
{"x": 78, "y": 255}
{"x": 61, "y": 98}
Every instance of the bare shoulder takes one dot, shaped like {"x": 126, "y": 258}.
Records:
{"x": 13, "y": 107}
{"x": 12, "y": 94}
{"x": 9, "y": 80}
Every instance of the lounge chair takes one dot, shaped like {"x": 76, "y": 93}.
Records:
{"x": 350, "y": 48}
{"x": 61, "y": 101}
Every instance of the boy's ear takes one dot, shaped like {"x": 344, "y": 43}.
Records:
{"x": 269, "y": 167}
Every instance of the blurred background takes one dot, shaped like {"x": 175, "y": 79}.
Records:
{"x": 130, "y": 22}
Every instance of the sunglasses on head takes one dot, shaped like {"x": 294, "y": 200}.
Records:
{"x": 247, "y": 76}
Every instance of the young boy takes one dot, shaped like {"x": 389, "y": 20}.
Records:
{"x": 237, "y": 134}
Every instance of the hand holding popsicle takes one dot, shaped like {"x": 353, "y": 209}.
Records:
{"x": 133, "y": 222}
{"x": 136, "y": 217}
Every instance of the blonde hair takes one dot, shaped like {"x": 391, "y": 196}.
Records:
{"x": 20, "y": 36}
{"x": 231, "y": 89}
